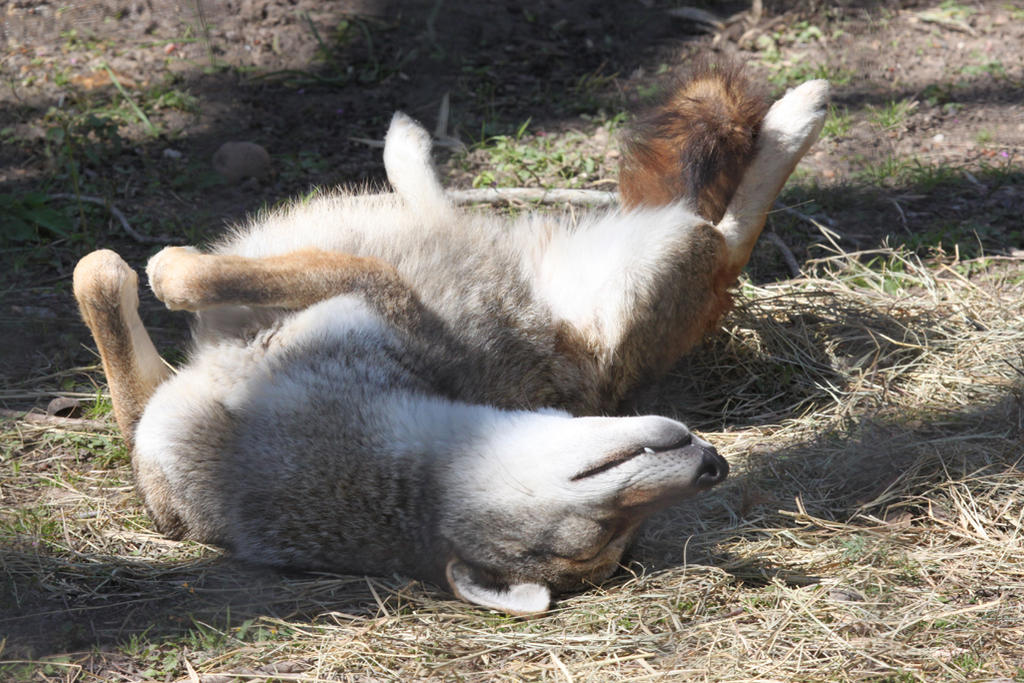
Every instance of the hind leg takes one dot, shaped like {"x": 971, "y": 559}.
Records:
{"x": 643, "y": 287}
{"x": 789, "y": 129}
{"x": 107, "y": 293}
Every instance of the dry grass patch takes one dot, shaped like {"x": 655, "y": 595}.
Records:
{"x": 873, "y": 530}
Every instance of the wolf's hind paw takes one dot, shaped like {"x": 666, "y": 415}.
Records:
{"x": 795, "y": 120}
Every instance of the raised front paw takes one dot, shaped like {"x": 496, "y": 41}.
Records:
{"x": 174, "y": 275}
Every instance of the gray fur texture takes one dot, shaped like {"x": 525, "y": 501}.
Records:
{"x": 386, "y": 383}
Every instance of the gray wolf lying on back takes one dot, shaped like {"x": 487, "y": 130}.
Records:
{"x": 387, "y": 383}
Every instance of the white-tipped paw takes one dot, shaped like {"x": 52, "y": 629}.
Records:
{"x": 406, "y": 149}
{"x": 409, "y": 166}
{"x": 406, "y": 136}
{"x": 171, "y": 273}
{"x": 795, "y": 121}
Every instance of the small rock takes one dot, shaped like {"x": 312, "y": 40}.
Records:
{"x": 62, "y": 406}
{"x": 845, "y": 594}
{"x": 285, "y": 667}
{"x": 938, "y": 138}
{"x": 238, "y": 160}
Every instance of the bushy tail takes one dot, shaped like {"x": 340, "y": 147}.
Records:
{"x": 695, "y": 145}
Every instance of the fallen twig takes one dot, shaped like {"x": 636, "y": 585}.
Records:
{"x": 369, "y": 142}
{"x": 79, "y": 423}
{"x": 490, "y": 195}
{"x": 903, "y": 216}
{"x": 116, "y": 213}
{"x": 803, "y": 216}
{"x": 698, "y": 16}
{"x": 936, "y": 17}
{"x": 787, "y": 254}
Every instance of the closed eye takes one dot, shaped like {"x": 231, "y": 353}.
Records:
{"x": 609, "y": 462}
{"x": 622, "y": 457}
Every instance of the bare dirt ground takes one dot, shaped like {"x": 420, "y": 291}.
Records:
{"x": 127, "y": 102}
{"x": 925, "y": 146}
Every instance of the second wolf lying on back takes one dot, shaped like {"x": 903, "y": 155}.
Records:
{"x": 386, "y": 383}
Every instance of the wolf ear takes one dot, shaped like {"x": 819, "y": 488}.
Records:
{"x": 520, "y": 599}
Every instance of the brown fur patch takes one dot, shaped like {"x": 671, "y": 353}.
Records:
{"x": 696, "y": 144}
{"x": 190, "y": 280}
{"x": 688, "y": 303}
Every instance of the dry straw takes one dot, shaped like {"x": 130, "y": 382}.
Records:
{"x": 873, "y": 530}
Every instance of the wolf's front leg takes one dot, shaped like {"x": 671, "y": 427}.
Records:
{"x": 187, "y": 279}
{"x": 107, "y": 293}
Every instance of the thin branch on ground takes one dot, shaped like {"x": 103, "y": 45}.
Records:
{"x": 116, "y": 213}
{"x": 492, "y": 195}
{"x": 787, "y": 254}
{"x": 779, "y": 206}
{"x": 77, "y": 423}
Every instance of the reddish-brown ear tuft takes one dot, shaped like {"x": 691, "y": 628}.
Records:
{"x": 696, "y": 144}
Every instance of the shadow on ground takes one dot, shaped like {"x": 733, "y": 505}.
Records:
{"x": 503, "y": 64}
{"x": 57, "y": 604}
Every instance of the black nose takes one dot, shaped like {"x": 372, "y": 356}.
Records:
{"x": 713, "y": 468}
